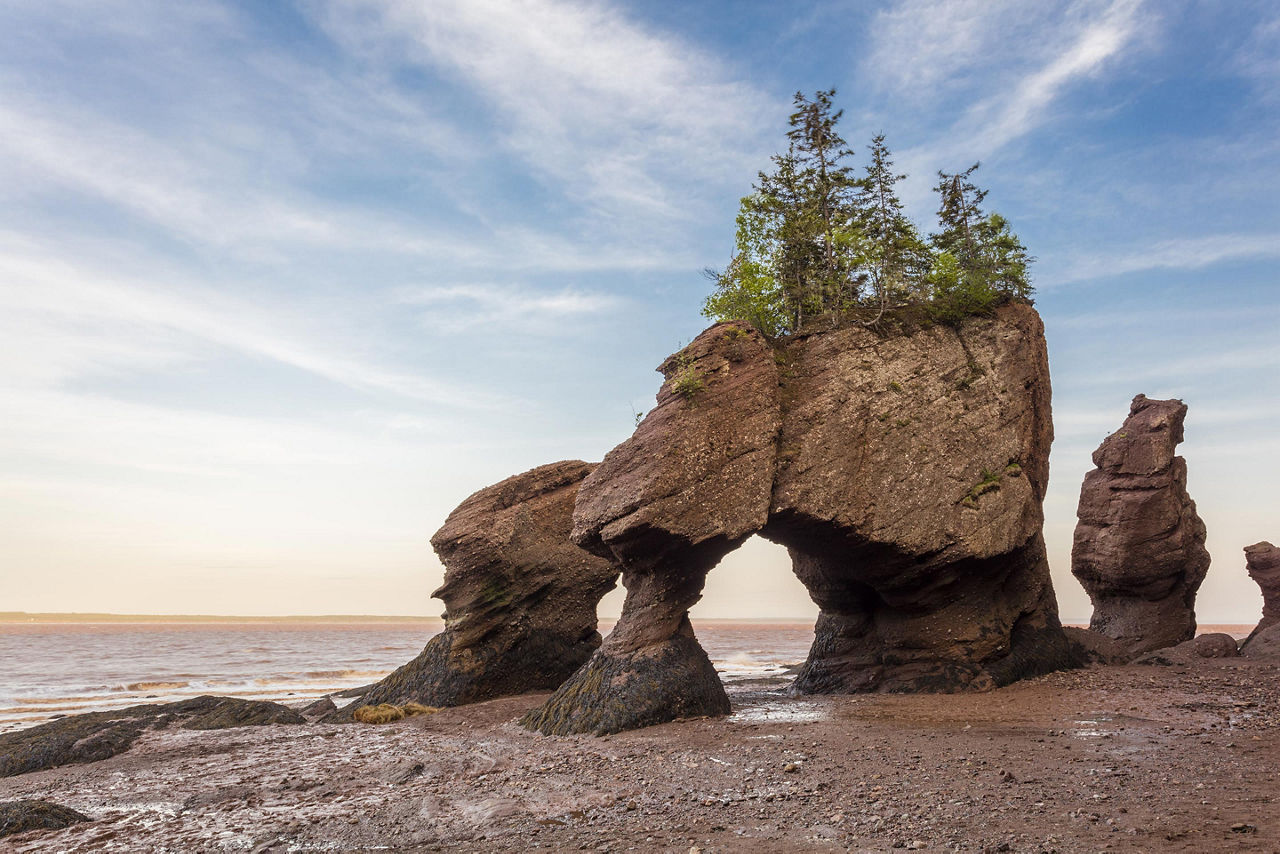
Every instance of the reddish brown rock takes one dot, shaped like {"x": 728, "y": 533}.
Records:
{"x": 690, "y": 486}
{"x": 904, "y": 472}
{"x": 1263, "y": 562}
{"x": 909, "y": 490}
{"x": 520, "y": 598}
{"x": 1139, "y": 544}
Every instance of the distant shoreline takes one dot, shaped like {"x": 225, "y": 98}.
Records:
{"x": 30, "y": 618}
{"x": 25, "y": 617}
{"x": 52, "y": 617}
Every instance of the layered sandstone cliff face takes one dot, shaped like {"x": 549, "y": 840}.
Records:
{"x": 1263, "y": 563}
{"x": 1139, "y": 544}
{"x": 520, "y": 598}
{"x": 904, "y": 473}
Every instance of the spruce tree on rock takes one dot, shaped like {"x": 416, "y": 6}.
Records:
{"x": 895, "y": 258}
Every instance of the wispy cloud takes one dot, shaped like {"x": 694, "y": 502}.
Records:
{"x": 1000, "y": 119}
{"x": 998, "y": 67}
{"x": 1259, "y": 57}
{"x": 1191, "y": 253}
{"x": 620, "y": 116}
{"x": 464, "y": 307}
{"x": 68, "y": 321}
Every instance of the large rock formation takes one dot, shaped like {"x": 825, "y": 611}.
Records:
{"x": 689, "y": 487}
{"x": 1139, "y": 545}
{"x": 909, "y": 491}
{"x": 1263, "y": 562}
{"x": 905, "y": 474}
{"x": 520, "y": 598}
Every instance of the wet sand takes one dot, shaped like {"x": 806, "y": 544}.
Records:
{"x": 1106, "y": 759}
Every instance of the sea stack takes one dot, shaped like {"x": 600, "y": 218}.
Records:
{"x": 904, "y": 471}
{"x": 1263, "y": 563}
{"x": 1139, "y": 544}
{"x": 520, "y": 598}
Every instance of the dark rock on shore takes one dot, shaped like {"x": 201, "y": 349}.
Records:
{"x": 904, "y": 472}
{"x": 520, "y": 598}
{"x": 318, "y": 709}
{"x": 1213, "y": 645}
{"x": 100, "y": 735}
{"x": 1264, "y": 644}
{"x": 21, "y": 816}
{"x": 1263, "y": 563}
{"x": 667, "y": 504}
{"x": 1090, "y": 647}
{"x": 1139, "y": 544}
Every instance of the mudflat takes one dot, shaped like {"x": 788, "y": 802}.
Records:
{"x": 1134, "y": 758}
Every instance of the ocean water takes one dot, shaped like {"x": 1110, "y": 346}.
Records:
{"x": 49, "y": 669}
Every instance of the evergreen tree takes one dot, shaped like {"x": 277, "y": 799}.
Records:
{"x": 980, "y": 261}
{"x": 827, "y": 201}
{"x": 960, "y": 215}
{"x": 814, "y": 240}
{"x": 895, "y": 257}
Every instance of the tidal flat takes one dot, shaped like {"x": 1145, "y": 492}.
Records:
{"x": 1132, "y": 758}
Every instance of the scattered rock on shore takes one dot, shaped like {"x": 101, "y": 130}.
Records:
{"x": 1212, "y": 645}
{"x": 1263, "y": 644}
{"x": 99, "y": 735}
{"x": 21, "y": 816}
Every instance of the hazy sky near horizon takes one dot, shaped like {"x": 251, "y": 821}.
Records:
{"x": 282, "y": 283}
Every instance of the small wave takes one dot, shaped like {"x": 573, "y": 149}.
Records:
{"x": 342, "y": 674}
{"x": 156, "y": 686}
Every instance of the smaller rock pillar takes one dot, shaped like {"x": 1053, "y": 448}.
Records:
{"x": 1263, "y": 562}
{"x": 1139, "y": 544}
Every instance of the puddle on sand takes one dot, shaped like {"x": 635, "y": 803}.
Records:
{"x": 779, "y": 711}
{"x": 1091, "y": 729}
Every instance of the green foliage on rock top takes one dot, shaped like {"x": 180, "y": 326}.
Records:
{"x": 815, "y": 242}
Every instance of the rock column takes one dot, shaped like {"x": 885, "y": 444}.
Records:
{"x": 1263, "y": 562}
{"x": 1139, "y": 544}
{"x": 687, "y": 488}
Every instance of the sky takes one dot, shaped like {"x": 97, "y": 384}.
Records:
{"x": 282, "y": 283}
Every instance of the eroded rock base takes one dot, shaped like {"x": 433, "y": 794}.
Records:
{"x": 984, "y": 625}
{"x": 670, "y": 680}
{"x": 448, "y": 674}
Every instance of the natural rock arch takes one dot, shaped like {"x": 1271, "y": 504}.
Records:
{"x": 905, "y": 474}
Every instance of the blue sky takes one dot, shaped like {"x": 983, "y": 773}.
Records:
{"x": 280, "y": 284}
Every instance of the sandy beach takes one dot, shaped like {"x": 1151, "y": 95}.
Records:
{"x": 1136, "y": 758}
